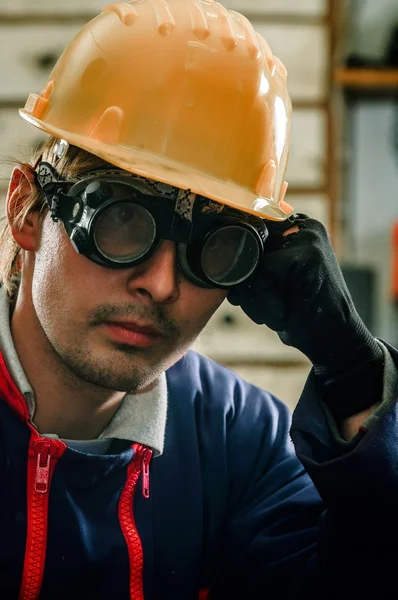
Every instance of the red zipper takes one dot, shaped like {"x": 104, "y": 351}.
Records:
{"x": 139, "y": 464}
{"x": 42, "y": 458}
{"x": 146, "y": 460}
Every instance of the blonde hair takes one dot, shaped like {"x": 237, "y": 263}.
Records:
{"x": 74, "y": 162}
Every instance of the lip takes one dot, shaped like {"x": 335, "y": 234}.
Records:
{"x": 132, "y": 333}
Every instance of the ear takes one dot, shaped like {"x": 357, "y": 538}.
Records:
{"x": 21, "y": 184}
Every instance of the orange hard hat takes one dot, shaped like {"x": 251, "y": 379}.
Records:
{"x": 180, "y": 91}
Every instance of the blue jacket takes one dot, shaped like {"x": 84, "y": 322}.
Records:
{"x": 228, "y": 507}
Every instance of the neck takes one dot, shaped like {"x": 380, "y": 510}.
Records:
{"x": 65, "y": 405}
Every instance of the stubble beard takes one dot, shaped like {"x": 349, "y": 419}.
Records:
{"x": 121, "y": 367}
{"x": 108, "y": 373}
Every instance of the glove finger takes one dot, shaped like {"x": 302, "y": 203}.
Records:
{"x": 310, "y": 236}
{"x": 258, "y": 286}
{"x": 279, "y": 227}
{"x": 266, "y": 309}
{"x": 276, "y": 230}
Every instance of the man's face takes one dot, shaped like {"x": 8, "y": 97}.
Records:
{"x": 117, "y": 329}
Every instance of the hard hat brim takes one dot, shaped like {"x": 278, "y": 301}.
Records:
{"x": 159, "y": 168}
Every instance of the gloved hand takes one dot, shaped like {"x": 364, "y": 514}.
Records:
{"x": 299, "y": 291}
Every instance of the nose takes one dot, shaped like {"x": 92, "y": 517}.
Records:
{"x": 156, "y": 280}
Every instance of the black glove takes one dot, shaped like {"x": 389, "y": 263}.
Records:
{"x": 299, "y": 291}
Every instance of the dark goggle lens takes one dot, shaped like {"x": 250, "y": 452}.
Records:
{"x": 230, "y": 255}
{"x": 124, "y": 232}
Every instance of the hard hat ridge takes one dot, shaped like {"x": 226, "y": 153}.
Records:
{"x": 180, "y": 91}
{"x": 233, "y": 26}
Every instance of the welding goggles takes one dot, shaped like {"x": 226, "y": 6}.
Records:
{"x": 118, "y": 220}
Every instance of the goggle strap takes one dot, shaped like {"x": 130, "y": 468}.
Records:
{"x": 61, "y": 205}
{"x": 46, "y": 174}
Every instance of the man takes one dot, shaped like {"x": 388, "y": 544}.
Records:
{"x": 134, "y": 468}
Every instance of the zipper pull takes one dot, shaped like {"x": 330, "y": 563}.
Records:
{"x": 42, "y": 476}
{"x": 146, "y": 459}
